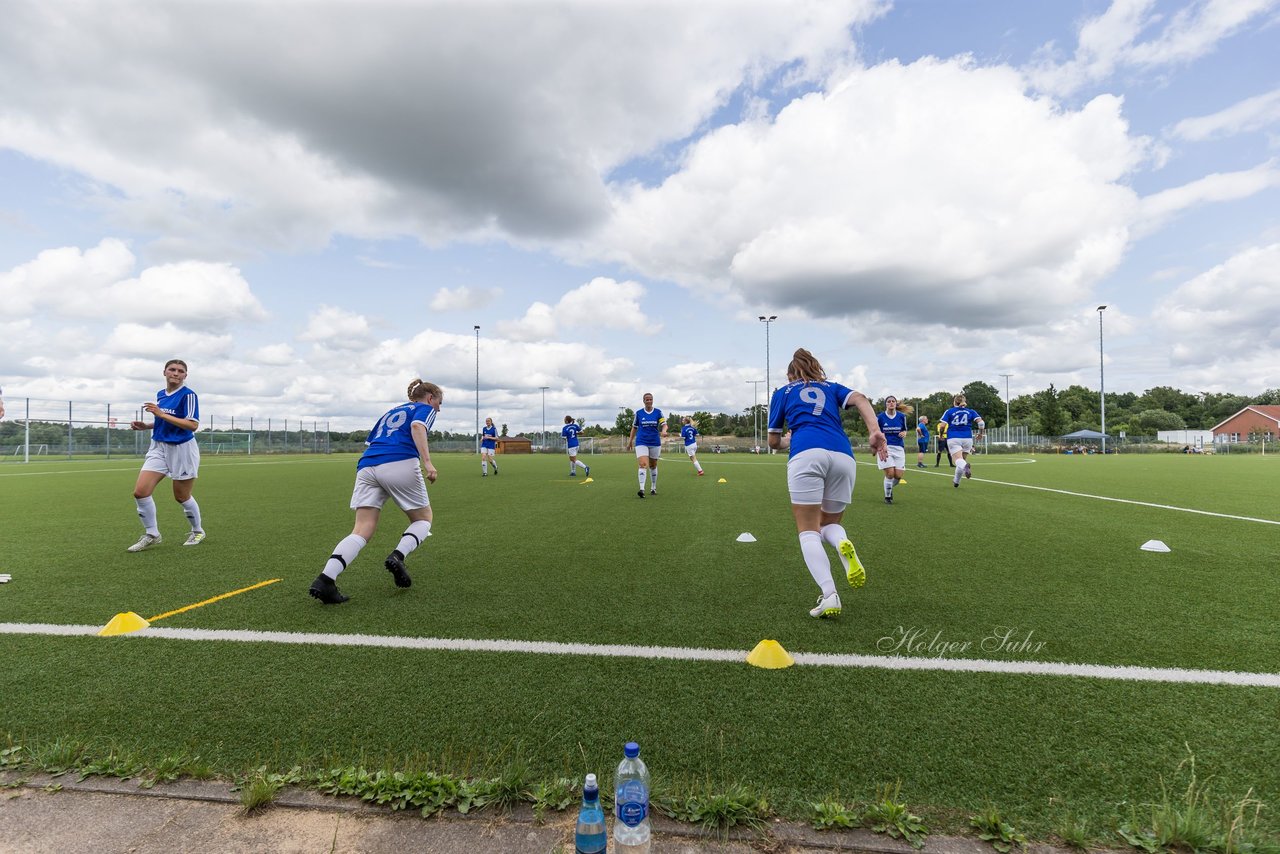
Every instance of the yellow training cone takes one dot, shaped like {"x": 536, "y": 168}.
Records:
{"x": 589, "y": 480}
{"x": 722, "y": 480}
{"x": 770, "y": 655}
{"x": 123, "y": 624}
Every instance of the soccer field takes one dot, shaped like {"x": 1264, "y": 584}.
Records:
{"x": 504, "y": 650}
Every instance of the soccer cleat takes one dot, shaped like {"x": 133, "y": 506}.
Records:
{"x": 701, "y": 473}
{"x": 640, "y": 493}
{"x": 586, "y": 471}
{"x": 495, "y": 471}
{"x": 395, "y": 565}
{"x": 919, "y": 465}
{"x": 956, "y": 484}
{"x": 653, "y": 492}
{"x": 326, "y": 590}
{"x": 968, "y": 472}
{"x": 854, "y": 570}
{"x": 828, "y": 606}
{"x": 888, "y": 499}
{"x": 146, "y": 542}
{"x": 573, "y": 473}
{"x": 195, "y": 538}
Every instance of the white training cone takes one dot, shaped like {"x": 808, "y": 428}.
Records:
{"x": 1154, "y": 546}
{"x": 746, "y": 538}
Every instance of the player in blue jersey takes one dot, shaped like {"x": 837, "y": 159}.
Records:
{"x": 961, "y": 420}
{"x": 392, "y": 467}
{"x": 893, "y": 423}
{"x": 647, "y": 432}
{"x": 820, "y": 468}
{"x": 570, "y": 433}
{"x": 922, "y": 440}
{"x": 173, "y": 453}
{"x": 488, "y": 448}
{"x": 689, "y": 433}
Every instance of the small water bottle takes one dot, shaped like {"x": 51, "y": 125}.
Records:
{"x": 631, "y": 803}
{"x": 590, "y": 836}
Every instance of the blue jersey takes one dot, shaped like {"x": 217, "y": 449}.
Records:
{"x": 891, "y": 427}
{"x": 570, "y": 433}
{"x": 649, "y": 427}
{"x": 689, "y": 433}
{"x": 183, "y": 403}
{"x": 489, "y": 438}
{"x": 812, "y": 411}
{"x": 960, "y": 421}
{"x": 923, "y": 436}
{"x": 391, "y": 439}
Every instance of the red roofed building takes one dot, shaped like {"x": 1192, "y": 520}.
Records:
{"x": 1257, "y": 421}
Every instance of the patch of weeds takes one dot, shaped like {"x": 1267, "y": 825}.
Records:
{"x": 58, "y": 756}
{"x": 52, "y": 788}
{"x": 114, "y": 764}
{"x": 557, "y": 795}
{"x": 828, "y": 814}
{"x": 258, "y": 791}
{"x": 738, "y": 805}
{"x": 1075, "y": 833}
{"x": 890, "y": 816}
{"x": 12, "y": 757}
{"x": 992, "y": 828}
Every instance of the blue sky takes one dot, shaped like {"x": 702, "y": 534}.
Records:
{"x": 313, "y": 203}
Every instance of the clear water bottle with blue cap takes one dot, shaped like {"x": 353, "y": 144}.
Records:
{"x": 590, "y": 836}
{"x": 631, "y": 803}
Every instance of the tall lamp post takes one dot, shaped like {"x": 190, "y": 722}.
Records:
{"x": 1102, "y": 382}
{"x": 766, "y": 321}
{"x": 1007, "y": 429}
{"x": 544, "y": 417}
{"x": 755, "y": 410}
{"x": 477, "y": 389}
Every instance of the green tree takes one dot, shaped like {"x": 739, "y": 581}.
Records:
{"x": 1052, "y": 420}
{"x": 622, "y": 424}
{"x": 1150, "y": 421}
{"x": 984, "y": 398}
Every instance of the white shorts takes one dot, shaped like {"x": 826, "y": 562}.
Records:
{"x": 487, "y": 452}
{"x": 819, "y": 476}
{"x": 572, "y": 452}
{"x": 400, "y": 481}
{"x": 650, "y": 451}
{"x": 691, "y": 449}
{"x": 955, "y": 446}
{"x": 897, "y": 458}
{"x": 179, "y": 462}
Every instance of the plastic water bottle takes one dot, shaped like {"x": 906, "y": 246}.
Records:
{"x": 590, "y": 836}
{"x": 631, "y": 803}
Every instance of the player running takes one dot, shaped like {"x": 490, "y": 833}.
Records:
{"x": 488, "y": 447}
{"x": 570, "y": 433}
{"x": 647, "y": 432}
{"x": 893, "y": 422}
{"x": 820, "y": 468}
{"x": 960, "y": 421}
{"x": 389, "y": 468}
{"x": 173, "y": 452}
{"x": 690, "y": 435}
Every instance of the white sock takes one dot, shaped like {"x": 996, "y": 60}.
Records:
{"x": 888, "y": 487}
{"x": 643, "y": 473}
{"x": 147, "y": 513}
{"x": 413, "y": 537}
{"x": 653, "y": 478}
{"x": 960, "y": 467}
{"x": 484, "y": 466}
{"x": 697, "y": 465}
{"x": 192, "y": 509}
{"x": 815, "y": 558}
{"x": 578, "y": 462}
{"x": 343, "y": 553}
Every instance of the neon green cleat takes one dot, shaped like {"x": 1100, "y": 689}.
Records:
{"x": 828, "y": 606}
{"x": 853, "y": 567}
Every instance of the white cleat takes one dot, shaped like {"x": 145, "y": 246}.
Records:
{"x": 828, "y": 606}
{"x": 146, "y": 542}
{"x": 195, "y": 538}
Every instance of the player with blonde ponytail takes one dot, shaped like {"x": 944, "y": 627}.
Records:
{"x": 392, "y": 466}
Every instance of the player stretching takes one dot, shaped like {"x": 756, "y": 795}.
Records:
{"x": 960, "y": 421}
{"x": 488, "y": 447}
{"x": 820, "y": 469}
{"x": 893, "y": 422}
{"x": 647, "y": 432}
{"x": 570, "y": 433}
{"x": 389, "y": 468}
{"x": 690, "y": 435}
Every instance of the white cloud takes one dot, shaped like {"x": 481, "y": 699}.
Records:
{"x": 1248, "y": 115}
{"x": 601, "y": 303}
{"x": 338, "y": 329}
{"x": 1158, "y": 207}
{"x": 846, "y": 202}
{"x": 164, "y": 342}
{"x": 463, "y": 298}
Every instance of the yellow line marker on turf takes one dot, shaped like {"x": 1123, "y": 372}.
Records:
{"x": 123, "y": 624}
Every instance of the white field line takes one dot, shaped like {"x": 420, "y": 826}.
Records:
{"x": 881, "y": 662}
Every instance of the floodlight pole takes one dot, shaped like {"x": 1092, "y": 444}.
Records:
{"x": 544, "y": 417}
{"x": 477, "y": 389}
{"x": 1007, "y": 436}
{"x": 766, "y": 321}
{"x": 755, "y": 409}
{"x": 1102, "y": 383}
